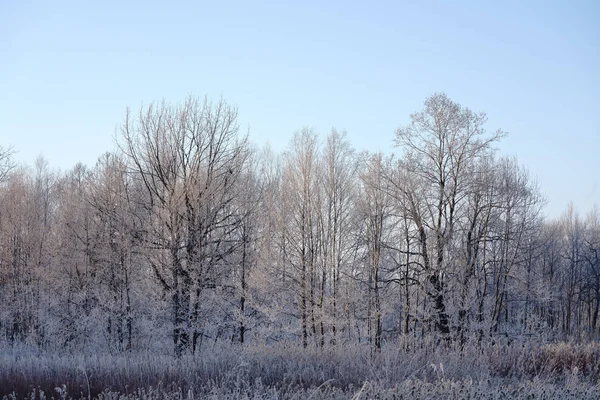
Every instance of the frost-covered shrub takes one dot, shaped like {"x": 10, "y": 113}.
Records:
{"x": 290, "y": 371}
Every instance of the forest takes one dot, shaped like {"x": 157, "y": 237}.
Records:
{"x": 190, "y": 262}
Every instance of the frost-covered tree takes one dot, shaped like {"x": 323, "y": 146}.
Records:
{"x": 440, "y": 148}
{"x": 190, "y": 158}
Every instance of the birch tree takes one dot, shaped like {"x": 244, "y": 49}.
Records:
{"x": 339, "y": 167}
{"x": 300, "y": 186}
{"x": 374, "y": 208}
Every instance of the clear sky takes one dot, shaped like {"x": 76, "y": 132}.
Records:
{"x": 69, "y": 69}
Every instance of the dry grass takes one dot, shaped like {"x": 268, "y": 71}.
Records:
{"x": 288, "y": 371}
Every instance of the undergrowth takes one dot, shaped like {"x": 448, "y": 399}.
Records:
{"x": 288, "y": 371}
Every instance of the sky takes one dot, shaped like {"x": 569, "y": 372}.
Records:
{"x": 69, "y": 70}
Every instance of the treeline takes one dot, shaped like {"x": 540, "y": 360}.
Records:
{"x": 186, "y": 233}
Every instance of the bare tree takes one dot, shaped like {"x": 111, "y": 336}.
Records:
{"x": 120, "y": 223}
{"x": 591, "y": 259}
{"x": 573, "y": 250}
{"x": 75, "y": 282}
{"x": 440, "y": 145}
{"x": 247, "y": 206}
{"x": 475, "y": 226}
{"x": 375, "y": 209}
{"x": 6, "y": 162}
{"x": 189, "y": 158}
{"x": 300, "y": 187}
{"x": 519, "y": 204}
{"x": 339, "y": 167}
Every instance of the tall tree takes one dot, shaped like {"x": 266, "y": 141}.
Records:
{"x": 374, "y": 208}
{"x": 301, "y": 186}
{"x": 339, "y": 167}
{"x": 519, "y": 204}
{"x": 591, "y": 260}
{"x": 120, "y": 224}
{"x": 441, "y": 145}
{"x": 189, "y": 158}
{"x": 6, "y": 162}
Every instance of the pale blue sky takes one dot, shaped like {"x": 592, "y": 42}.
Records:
{"x": 68, "y": 70}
